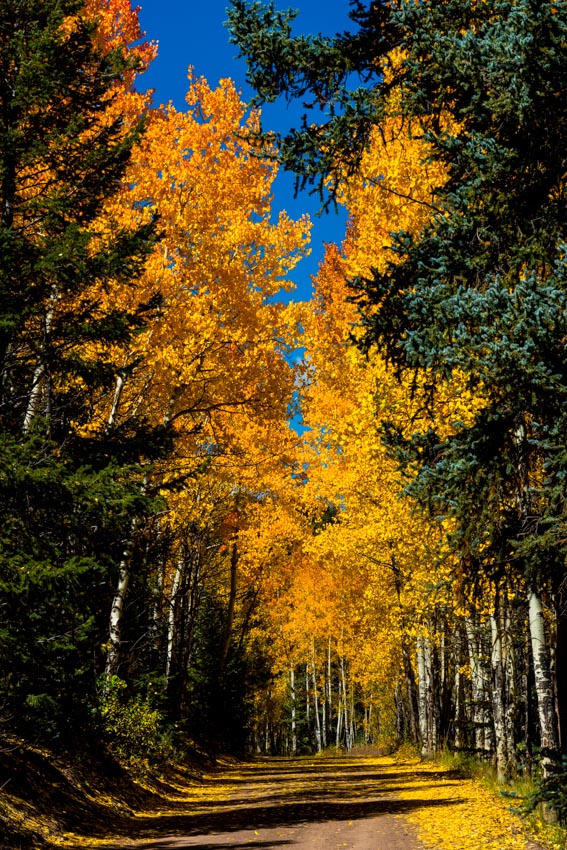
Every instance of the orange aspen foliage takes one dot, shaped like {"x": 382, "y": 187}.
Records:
{"x": 361, "y": 579}
{"x": 211, "y": 360}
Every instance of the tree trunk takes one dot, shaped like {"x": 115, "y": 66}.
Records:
{"x": 480, "y": 717}
{"x": 339, "y": 714}
{"x": 307, "y": 701}
{"x": 112, "y": 416}
{"x": 427, "y": 713}
{"x": 316, "y": 700}
{"x": 171, "y": 618}
{"x": 293, "y": 725}
{"x": 544, "y": 689}
{"x": 511, "y": 696}
{"x": 40, "y": 380}
{"x": 411, "y": 692}
{"x": 498, "y": 698}
{"x": 329, "y": 688}
{"x": 459, "y": 738}
{"x": 346, "y": 712}
{"x": 117, "y": 608}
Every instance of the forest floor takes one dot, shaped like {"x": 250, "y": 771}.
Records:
{"x": 310, "y": 803}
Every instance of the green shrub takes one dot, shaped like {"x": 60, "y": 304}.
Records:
{"x": 133, "y": 728}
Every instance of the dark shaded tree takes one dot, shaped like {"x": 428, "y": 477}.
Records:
{"x": 68, "y": 496}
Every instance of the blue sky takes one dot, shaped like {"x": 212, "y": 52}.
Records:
{"x": 192, "y": 33}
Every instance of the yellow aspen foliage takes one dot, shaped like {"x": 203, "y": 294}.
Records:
{"x": 118, "y": 26}
{"x": 211, "y": 358}
{"x": 373, "y": 573}
{"x": 209, "y": 361}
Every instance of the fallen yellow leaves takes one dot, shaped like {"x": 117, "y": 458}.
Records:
{"x": 457, "y": 814}
{"x": 447, "y": 813}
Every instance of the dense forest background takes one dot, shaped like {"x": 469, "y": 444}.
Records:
{"x": 243, "y": 523}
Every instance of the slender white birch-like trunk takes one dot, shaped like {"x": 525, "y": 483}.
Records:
{"x": 427, "y": 721}
{"x": 293, "y": 707}
{"x": 112, "y": 416}
{"x": 329, "y": 685}
{"x": 117, "y": 608}
{"x": 498, "y": 697}
{"x": 339, "y": 724}
{"x": 171, "y": 615}
{"x": 38, "y": 388}
{"x": 458, "y": 689}
{"x": 352, "y": 718}
{"x": 315, "y": 700}
{"x": 543, "y": 684}
{"x": 422, "y": 695}
{"x": 480, "y": 714}
{"x": 345, "y": 703}
{"x": 511, "y": 692}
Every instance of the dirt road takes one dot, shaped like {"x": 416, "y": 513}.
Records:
{"x": 327, "y": 804}
{"x": 348, "y": 803}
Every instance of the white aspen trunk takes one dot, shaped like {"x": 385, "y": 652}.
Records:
{"x": 458, "y": 686}
{"x": 544, "y": 687}
{"x": 34, "y": 397}
{"x": 339, "y": 713}
{"x": 498, "y": 689}
{"x": 329, "y": 685}
{"x": 38, "y": 382}
{"x": 479, "y": 718}
{"x": 458, "y": 708}
{"x": 511, "y": 696}
{"x": 443, "y": 654}
{"x": 117, "y": 608}
{"x": 315, "y": 700}
{"x": 293, "y": 726}
{"x": 115, "y": 402}
{"x": 425, "y": 698}
{"x": 352, "y": 718}
{"x": 307, "y": 703}
{"x": 339, "y": 724}
{"x": 411, "y": 694}
{"x": 347, "y": 722}
{"x": 171, "y": 615}
{"x": 422, "y": 696}
{"x": 429, "y": 706}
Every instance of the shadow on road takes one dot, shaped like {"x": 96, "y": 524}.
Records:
{"x": 245, "y": 845}
{"x": 285, "y": 794}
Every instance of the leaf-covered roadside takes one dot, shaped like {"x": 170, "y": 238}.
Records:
{"x": 446, "y": 811}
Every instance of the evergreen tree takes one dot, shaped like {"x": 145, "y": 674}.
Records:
{"x": 68, "y": 493}
{"x": 334, "y": 77}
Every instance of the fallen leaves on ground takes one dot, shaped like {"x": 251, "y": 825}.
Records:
{"x": 474, "y": 817}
